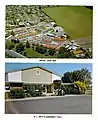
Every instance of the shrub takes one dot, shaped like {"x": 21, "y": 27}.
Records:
{"x": 70, "y": 89}
{"x": 81, "y": 86}
{"x": 17, "y": 93}
{"x": 57, "y": 84}
{"x": 51, "y": 51}
{"x": 27, "y": 44}
{"x": 20, "y": 47}
{"x": 6, "y": 95}
{"x": 30, "y": 89}
{"x": 9, "y": 45}
{"x": 59, "y": 93}
{"x": 27, "y": 95}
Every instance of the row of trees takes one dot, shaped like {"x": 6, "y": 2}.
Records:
{"x": 79, "y": 79}
{"x": 19, "y": 47}
{"x": 64, "y": 53}
{"x": 82, "y": 75}
{"x": 45, "y": 51}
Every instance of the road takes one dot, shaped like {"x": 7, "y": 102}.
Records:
{"x": 61, "y": 105}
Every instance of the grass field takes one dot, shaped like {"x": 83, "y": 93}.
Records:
{"x": 76, "y": 20}
{"x": 33, "y": 54}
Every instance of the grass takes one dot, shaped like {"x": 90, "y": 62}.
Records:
{"x": 30, "y": 53}
{"x": 42, "y": 27}
{"x": 51, "y": 31}
{"x": 76, "y": 20}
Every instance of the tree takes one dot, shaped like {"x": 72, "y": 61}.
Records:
{"x": 19, "y": 47}
{"x": 88, "y": 54}
{"x": 86, "y": 75}
{"x": 37, "y": 48}
{"x": 82, "y": 75}
{"x": 62, "y": 50}
{"x": 15, "y": 40}
{"x": 41, "y": 49}
{"x": 64, "y": 53}
{"x": 57, "y": 84}
{"x": 55, "y": 25}
{"x": 39, "y": 7}
{"x": 24, "y": 53}
{"x": 9, "y": 45}
{"x": 67, "y": 78}
{"x": 51, "y": 51}
{"x": 81, "y": 86}
{"x": 12, "y": 33}
{"x": 27, "y": 44}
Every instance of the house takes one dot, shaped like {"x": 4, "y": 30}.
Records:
{"x": 34, "y": 75}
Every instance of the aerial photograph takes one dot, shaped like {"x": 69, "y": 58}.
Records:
{"x": 48, "y": 88}
{"x": 48, "y": 31}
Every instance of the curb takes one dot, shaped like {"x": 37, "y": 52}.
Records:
{"x": 40, "y": 98}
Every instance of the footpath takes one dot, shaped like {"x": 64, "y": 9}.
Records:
{"x": 43, "y": 97}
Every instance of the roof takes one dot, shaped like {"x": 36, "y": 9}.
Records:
{"x": 33, "y": 68}
{"x": 58, "y": 38}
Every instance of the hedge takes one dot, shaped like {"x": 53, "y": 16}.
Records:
{"x": 17, "y": 93}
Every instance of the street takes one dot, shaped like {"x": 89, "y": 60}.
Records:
{"x": 60, "y": 105}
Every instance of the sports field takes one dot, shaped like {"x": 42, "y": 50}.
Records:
{"x": 76, "y": 20}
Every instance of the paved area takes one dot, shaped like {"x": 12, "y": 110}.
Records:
{"x": 57, "y": 105}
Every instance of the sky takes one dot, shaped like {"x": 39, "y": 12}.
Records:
{"x": 59, "y": 68}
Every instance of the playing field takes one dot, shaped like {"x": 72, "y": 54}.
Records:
{"x": 76, "y": 20}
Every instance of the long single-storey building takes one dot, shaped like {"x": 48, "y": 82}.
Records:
{"x": 34, "y": 75}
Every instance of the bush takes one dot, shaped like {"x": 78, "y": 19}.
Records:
{"x": 27, "y": 44}
{"x": 70, "y": 89}
{"x": 9, "y": 45}
{"x": 6, "y": 95}
{"x": 27, "y": 95}
{"x": 19, "y": 47}
{"x": 60, "y": 93}
{"x": 17, "y": 93}
{"x": 57, "y": 84}
{"x": 81, "y": 86}
{"x": 30, "y": 89}
{"x": 51, "y": 51}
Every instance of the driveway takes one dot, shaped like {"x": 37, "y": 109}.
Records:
{"x": 57, "y": 105}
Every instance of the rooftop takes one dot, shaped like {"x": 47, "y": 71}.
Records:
{"x": 33, "y": 68}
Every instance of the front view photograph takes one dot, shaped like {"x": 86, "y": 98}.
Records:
{"x": 48, "y": 88}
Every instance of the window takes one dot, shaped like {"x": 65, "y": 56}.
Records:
{"x": 37, "y": 72}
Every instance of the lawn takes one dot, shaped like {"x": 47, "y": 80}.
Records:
{"x": 76, "y": 20}
{"x": 33, "y": 54}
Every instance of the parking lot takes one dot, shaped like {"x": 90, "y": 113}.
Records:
{"x": 58, "y": 105}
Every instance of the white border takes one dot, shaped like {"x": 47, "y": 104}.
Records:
{"x": 94, "y": 60}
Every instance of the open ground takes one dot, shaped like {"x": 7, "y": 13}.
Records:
{"x": 76, "y": 20}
